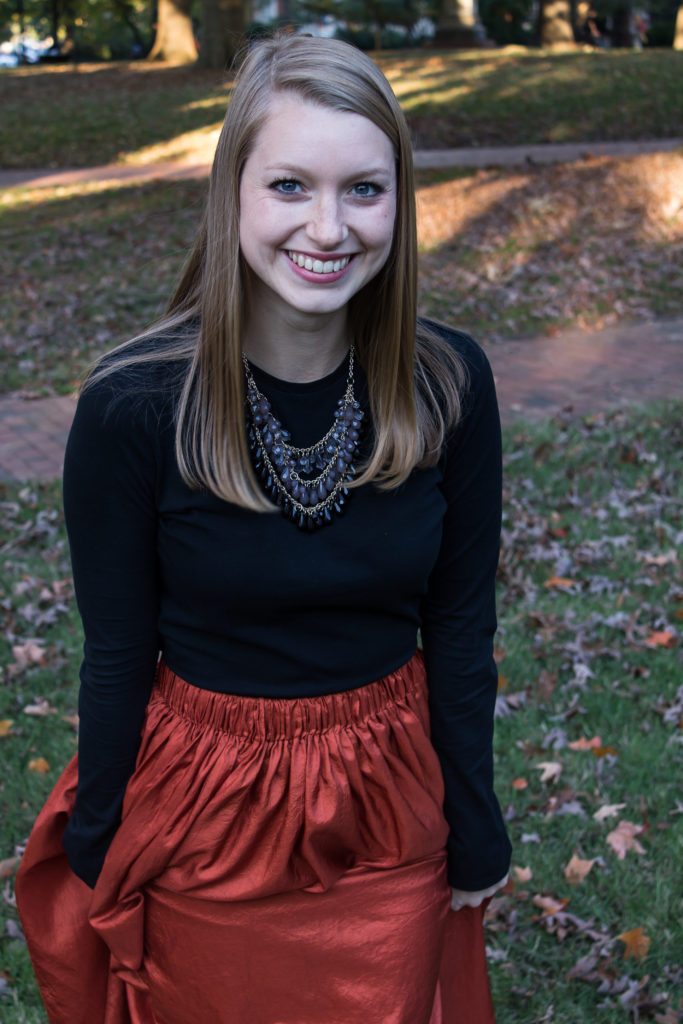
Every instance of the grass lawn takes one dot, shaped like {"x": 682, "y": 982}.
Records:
{"x": 100, "y": 113}
{"x": 504, "y": 253}
{"x": 589, "y": 740}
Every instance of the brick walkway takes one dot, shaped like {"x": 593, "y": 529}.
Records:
{"x": 536, "y": 378}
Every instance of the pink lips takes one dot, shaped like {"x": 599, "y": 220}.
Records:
{"x": 310, "y": 275}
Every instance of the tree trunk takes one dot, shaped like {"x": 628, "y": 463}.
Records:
{"x": 458, "y": 26}
{"x": 556, "y": 23}
{"x": 174, "y": 39}
{"x": 222, "y": 32}
{"x": 678, "y": 32}
{"x": 622, "y": 36}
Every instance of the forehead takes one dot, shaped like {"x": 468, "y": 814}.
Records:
{"x": 295, "y": 125}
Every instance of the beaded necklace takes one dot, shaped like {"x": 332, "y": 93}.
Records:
{"x": 308, "y": 484}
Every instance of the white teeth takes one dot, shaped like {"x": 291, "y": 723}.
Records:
{"x": 317, "y": 266}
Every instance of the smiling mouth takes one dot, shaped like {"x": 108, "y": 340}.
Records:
{"x": 318, "y": 266}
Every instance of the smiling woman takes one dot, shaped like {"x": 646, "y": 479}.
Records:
{"x": 282, "y": 811}
{"x": 317, "y": 210}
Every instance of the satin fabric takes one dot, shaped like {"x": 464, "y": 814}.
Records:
{"x": 278, "y": 862}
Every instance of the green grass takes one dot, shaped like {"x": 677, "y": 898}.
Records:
{"x": 598, "y": 501}
{"x": 101, "y": 113}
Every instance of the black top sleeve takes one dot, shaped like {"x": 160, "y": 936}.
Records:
{"x": 458, "y": 624}
{"x": 109, "y": 500}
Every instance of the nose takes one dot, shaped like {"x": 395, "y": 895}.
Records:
{"x": 327, "y": 226}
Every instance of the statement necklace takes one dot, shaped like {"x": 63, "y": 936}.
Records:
{"x": 309, "y": 484}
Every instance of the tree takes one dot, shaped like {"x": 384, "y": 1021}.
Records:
{"x": 222, "y": 32}
{"x": 678, "y": 33}
{"x": 458, "y": 25}
{"x": 555, "y": 23}
{"x": 174, "y": 39}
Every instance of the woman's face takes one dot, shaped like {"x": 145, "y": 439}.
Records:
{"x": 317, "y": 206}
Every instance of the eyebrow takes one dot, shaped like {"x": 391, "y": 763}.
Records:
{"x": 371, "y": 172}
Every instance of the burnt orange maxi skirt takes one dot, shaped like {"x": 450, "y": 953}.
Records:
{"x": 278, "y": 862}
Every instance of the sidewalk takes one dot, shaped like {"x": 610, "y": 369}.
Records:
{"x": 590, "y": 372}
{"x": 484, "y": 156}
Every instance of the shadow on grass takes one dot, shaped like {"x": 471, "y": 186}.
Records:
{"x": 513, "y": 254}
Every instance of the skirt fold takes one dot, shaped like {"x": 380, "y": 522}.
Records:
{"x": 278, "y": 862}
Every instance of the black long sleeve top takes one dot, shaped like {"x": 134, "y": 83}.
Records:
{"x": 246, "y": 603}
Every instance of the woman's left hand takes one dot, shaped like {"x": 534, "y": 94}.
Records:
{"x": 462, "y": 898}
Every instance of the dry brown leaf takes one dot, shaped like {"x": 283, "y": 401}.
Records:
{"x": 29, "y": 653}
{"x": 661, "y": 638}
{"x": 39, "y": 765}
{"x": 608, "y": 811}
{"x": 584, "y": 744}
{"x": 604, "y": 751}
{"x": 550, "y": 770}
{"x": 623, "y": 838}
{"x": 549, "y": 905}
{"x": 546, "y": 683}
{"x": 519, "y": 783}
{"x": 561, "y": 582}
{"x": 40, "y": 708}
{"x": 6, "y": 726}
{"x": 502, "y": 682}
{"x": 637, "y": 943}
{"x": 577, "y": 869}
{"x": 523, "y": 874}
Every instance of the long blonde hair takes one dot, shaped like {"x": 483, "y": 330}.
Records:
{"x": 414, "y": 378}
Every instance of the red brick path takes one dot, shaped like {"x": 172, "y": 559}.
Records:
{"x": 536, "y": 378}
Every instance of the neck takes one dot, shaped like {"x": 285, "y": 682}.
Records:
{"x": 296, "y": 347}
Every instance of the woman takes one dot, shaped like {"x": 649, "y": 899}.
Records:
{"x": 274, "y": 850}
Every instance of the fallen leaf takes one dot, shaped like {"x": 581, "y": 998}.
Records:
{"x": 637, "y": 943}
{"x": 561, "y": 582}
{"x": 6, "y": 726}
{"x": 25, "y": 655}
{"x": 502, "y": 682}
{"x": 519, "y": 783}
{"x": 523, "y": 874}
{"x": 40, "y": 708}
{"x": 549, "y": 905}
{"x": 605, "y": 751}
{"x": 623, "y": 838}
{"x": 608, "y": 811}
{"x": 546, "y": 683}
{"x": 39, "y": 765}
{"x": 661, "y": 638}
{"x": 550, "y": 770}
{"x": 584, "y": 744}
{"x": 577, "y": 869}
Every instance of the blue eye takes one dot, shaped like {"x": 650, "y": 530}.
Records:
{"x": 287, "y": 186}
{"x": 367, "y": 189}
